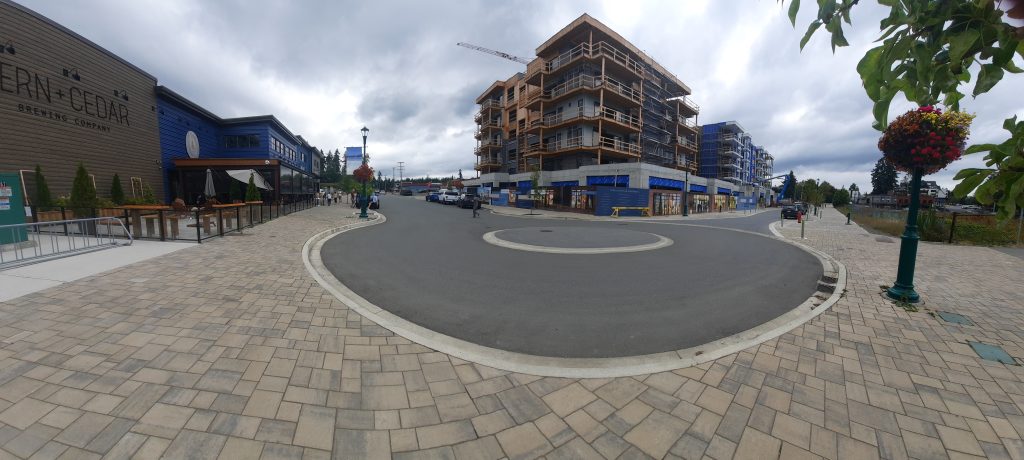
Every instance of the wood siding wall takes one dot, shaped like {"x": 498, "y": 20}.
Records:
{"x": 56, "y": 121}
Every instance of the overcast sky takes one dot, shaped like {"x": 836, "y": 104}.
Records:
{"x": 327, "y": 68}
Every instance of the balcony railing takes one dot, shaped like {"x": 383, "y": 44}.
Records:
{"x": 686, "y": 143}
{"x": 604, "y": 49}
{"x": 580, "y": 81}
{"x": 488, "y": 160}
{"x": 486, "y": 146}
{"x": 622, "y": 90}
{"x": 559, "y": 118}
{"x": 729, "y": 137}
{"x": 687, "y": 122}
{"x": 620, "y": 145}
{"x": 490, "y": 104}
{"x": 688, "y": 103}
{"x": 579, "y": 51}
{"x": 620, "y": 117}
{"x": 485, "y": 130}
{"x": 600, "y": 49}
{"x": 729, "y": 152}
{"x": 728, "y": 164}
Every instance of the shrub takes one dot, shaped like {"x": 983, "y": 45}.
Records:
{"x": 147, "y": 195}
{"x": 930, "y": 227}
{"x": 251, "y": 193}
{"x": 83, "y": 192}
{"x": 43, "y": 198}
{"x": 116, "y": 191}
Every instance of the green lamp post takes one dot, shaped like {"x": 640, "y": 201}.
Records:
{"x": 921, "y": 141}
{"x": 365, "y": 199}
{"x": 903, "y": 288}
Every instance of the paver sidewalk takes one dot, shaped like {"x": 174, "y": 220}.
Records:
{"x": 230, "y": 349}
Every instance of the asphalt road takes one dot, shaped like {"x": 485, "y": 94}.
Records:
{"x": 429, "y": 265}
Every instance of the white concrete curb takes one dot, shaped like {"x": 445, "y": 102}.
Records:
{"x": 572, "y": 367}
{"x": 493, "y": 238}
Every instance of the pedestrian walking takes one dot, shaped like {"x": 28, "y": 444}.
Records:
{"x": 476, "y": 205}
{"x": 329, "y": 196}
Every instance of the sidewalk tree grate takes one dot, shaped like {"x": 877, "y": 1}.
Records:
{"x": 955, "y": 318}
{"x": 992, "y": 352}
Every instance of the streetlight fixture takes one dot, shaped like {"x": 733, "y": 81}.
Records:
{"x": 366, "y": 199}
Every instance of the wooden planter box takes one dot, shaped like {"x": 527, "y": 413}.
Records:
{"x": 51, "y": 216}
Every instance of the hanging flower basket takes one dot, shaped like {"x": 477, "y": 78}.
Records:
{"x": 925, "y": 138}
{"x": 364, "y": 173}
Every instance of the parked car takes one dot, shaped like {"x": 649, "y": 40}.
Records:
{"x": 789, "y": 211}
{"x": 405, "y": 192}
{"x": 466, "y": 200}
{"x": 433, "y": 196}
{"x": 450, "y": 197}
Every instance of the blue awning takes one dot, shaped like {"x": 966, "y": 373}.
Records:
{"x": 566, "y": 183}
{"x": 698, "y": 188}
{"x": 664, "y": 183}
{"x": 523, "y": 185}
{"x": 723, "y": 190}
{"x": 618, "y": 181}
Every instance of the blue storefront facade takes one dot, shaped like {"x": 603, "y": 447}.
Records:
{"x": 194, "y": 140}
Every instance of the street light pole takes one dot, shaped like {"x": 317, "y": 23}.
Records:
{"x": 903, "y": 288}
{"x": 362, "y": 212}
{"x": 686, "y": 194}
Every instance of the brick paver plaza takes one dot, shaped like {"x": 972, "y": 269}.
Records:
{"x": 232, "y": 350}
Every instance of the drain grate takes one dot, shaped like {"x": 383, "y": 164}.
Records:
{"x": 992, "y": 352}
{"x": 955, "y": 318}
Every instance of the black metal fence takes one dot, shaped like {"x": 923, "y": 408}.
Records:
{"x": 173, "y": 225}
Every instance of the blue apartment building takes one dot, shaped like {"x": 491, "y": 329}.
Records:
{"x": 728, "y": 153}
{"x": 193, "y": 141}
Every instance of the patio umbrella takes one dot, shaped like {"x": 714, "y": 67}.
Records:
{"x": 209, "y": 191}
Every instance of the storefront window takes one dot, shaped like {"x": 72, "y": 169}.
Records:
{"x": 699, "y": 202}
{"x": 666, "y": 203}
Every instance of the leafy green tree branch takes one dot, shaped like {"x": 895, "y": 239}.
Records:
{"x": 930, "y": 51}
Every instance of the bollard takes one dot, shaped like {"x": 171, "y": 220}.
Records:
{"x": 804, "y": 222}
{"x": 848, "y": 218}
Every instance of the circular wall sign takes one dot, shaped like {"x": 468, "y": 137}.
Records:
{"x": 192, "y": 144}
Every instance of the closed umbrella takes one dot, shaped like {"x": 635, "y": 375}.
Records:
{"x": 209, "y": 191}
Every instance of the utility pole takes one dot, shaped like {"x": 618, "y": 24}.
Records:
{"x": 401, "y": 170}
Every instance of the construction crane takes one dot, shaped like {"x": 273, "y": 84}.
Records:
{"x": 496, "y": 53}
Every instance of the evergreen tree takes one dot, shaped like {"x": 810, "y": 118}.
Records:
{"x": 116, "y": 191}
{"x": 251, "y": 192}
{"x": 827, "y": 191}
{"x": 883, "y": 178}
{"x": 460, "y": 173}
{"x": 43, "y": 197}
{"x": 854, "y": 188}
{"x": 790, "y": 186}
{"x": 841, "y": 197}
{"x": 83, "y": 192}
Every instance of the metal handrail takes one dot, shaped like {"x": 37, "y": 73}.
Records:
{"x": 39, "y": 241}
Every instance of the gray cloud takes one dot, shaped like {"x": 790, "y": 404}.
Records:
{"x": 328, "y": 68}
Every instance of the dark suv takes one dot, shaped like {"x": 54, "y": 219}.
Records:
{"x": 789, "y": 211}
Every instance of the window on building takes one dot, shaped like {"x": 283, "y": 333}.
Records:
{"x": 243, "y": 141}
